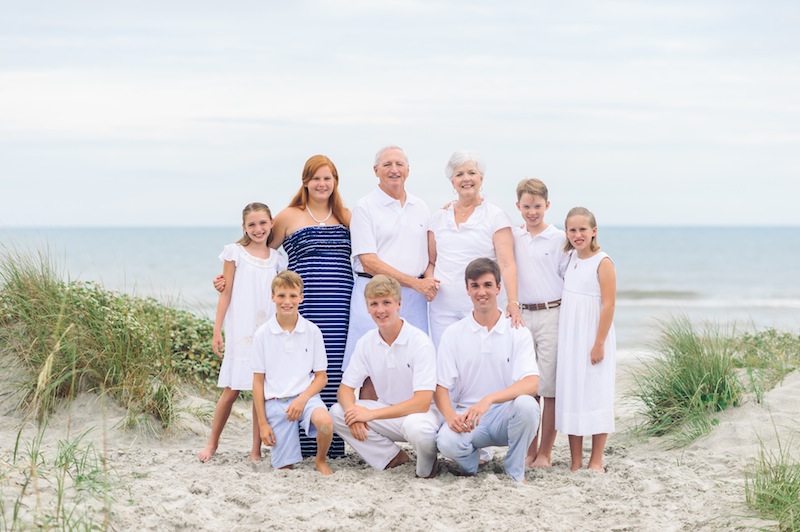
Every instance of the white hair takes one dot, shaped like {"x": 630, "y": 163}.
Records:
{"x": 387, "y": 148}
{"x": 462, "y": 157}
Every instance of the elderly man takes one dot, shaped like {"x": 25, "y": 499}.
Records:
{"x": 389, "y": 231}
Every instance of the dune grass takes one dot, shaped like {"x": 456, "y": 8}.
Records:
{"x": 772, "y": 486}
{"x": 701, "y": 371}
{"x": 70, "y": 336}
{"x": 693, "y": 378}
{"x": 65, "y": 489}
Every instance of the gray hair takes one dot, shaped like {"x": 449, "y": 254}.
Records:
{"x": 462, "y": 157}
{"x": 387, "y": 148}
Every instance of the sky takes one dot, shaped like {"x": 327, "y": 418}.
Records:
{"x": 178, "y": 113}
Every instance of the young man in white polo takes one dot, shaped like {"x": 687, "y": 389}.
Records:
{"x": 401, "y": 361}
{"x": 486, "y": 379}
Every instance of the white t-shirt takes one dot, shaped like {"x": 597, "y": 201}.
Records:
{"x": 473, "y": 362}
{"x": 397, "y": 234}
{"x": 288, "y": 360}
{"x": 397, "y": 370}
{"x": 457, "y": 246}
{"x": 541, "y": 262}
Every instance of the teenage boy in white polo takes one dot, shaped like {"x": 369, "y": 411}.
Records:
{"x": 486, "y": 380}
{"x": 541, "y": 261}
{"x": 289, "y": 371}
{"x": 401, "y": 361}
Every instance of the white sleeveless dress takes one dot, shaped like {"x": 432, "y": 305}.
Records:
{"x": 584, "y": 392}
{"x": 250, "y": 307}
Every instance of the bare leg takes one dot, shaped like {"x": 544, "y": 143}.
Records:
{"x": 576, "y": 452}
{"x": 255, "y": 452}
{"x": 322, "y": 421}
{"x": 598, "y": 446}
{"x": 399, "y": 459}
{"x": 221, "y": 414}
{"x": 533, "y": 449}
{"x": 368, "y": 391}
{"x": 548, "y": 433}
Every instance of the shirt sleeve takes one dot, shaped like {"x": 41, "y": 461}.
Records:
{"x": 281, "y": 261}
{"x": 446, "y": 371}
{"x": 499, "y": 219}
{"x": 320, "y": 356}
{"x": 362, "y": 230}
{"x": 357, "y": 370}
{"x": 524, "y": 355}
{"x": 258, "y": 361}
{"x": 424, "y": 378}
{"x": 230, "y": 253}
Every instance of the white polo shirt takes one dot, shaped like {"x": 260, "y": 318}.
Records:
{"x": 397, "y": 233}
{"x": 541, "y": 263}
{"x": 457, "y": 246}
{"x": 288, "y": 360}
{"x": 397, "y": 370}
{"x": 473, "y": 362}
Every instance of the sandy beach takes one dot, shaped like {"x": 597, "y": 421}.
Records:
{"x": 158, "y": 483}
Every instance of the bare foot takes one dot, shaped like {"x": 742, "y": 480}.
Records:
{"x": 596, "y": 467}
{"x": 399, "y": 459}
{"x": 255, "y": 456}
{"x": 323, "y": 467}
{"x": 542, "y": 461}
{"x": 575, "y": 466}
{"x": 206, "y": 454}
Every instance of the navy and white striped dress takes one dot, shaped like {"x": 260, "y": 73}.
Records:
{"x": 320, "y": 254}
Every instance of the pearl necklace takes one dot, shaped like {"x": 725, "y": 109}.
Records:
{"x": 319, "y": 222}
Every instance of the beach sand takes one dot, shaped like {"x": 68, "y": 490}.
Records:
{"x": 158, "y": 483}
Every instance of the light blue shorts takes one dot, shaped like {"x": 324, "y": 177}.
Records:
{"x": 287, "y": 438}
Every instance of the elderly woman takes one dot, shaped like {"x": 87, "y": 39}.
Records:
{"x": 467, "y": 229}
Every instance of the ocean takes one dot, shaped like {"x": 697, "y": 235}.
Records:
{"x": 737, "y": 277}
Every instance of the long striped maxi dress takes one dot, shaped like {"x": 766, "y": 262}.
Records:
{"x": 320, "y": 254}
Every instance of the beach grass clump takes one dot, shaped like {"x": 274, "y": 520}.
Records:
{"x": 693, "y": 378}
{"x": 766, "y": 356}
{"x": 68, "y": 488}
{"x": 72, "y": 336}
{"x": 772, "y": 487}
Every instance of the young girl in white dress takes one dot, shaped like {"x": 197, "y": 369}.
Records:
{"x": 586, "y": 342}
{"x": 244, "y": 305}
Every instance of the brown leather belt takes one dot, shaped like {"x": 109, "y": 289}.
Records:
{"x": 541, "y": 306}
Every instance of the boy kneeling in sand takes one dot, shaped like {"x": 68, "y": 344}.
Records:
{"x": 401, "y": 361}
{"x": 289, "y": 370}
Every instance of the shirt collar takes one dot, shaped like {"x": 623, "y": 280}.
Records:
{"x": 275, "y": 327}
{"x": 402, "y": 338}
{"x": 499, "y": 327}
{"x": 549, "y": 233}
{"x": 386, "y": 199}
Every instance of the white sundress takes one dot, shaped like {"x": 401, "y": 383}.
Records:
{"x": 584, "y": 392}
{"x": 250, "y": 307}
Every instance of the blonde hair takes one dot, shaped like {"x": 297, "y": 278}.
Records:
{"x": 300, "y": 200}
{"x": 287, "y": 279}
{"x": 586, "y": 213}
{"x": 534, "y": 187}
{"x": 381, "y": 286}
{"x": 250, "y": 208}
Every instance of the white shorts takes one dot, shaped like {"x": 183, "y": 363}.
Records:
{"x": 543, "y": 325}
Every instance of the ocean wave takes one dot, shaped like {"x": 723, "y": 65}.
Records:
{"x": 710, "y": 303}
{"x": 656, "y": 294}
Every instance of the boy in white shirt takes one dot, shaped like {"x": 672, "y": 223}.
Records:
{"x": 486, "y": 380}
{"x": 290, "y": 369}
{"x": 541, "y": 261}
{"x": 401, "y": 361}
